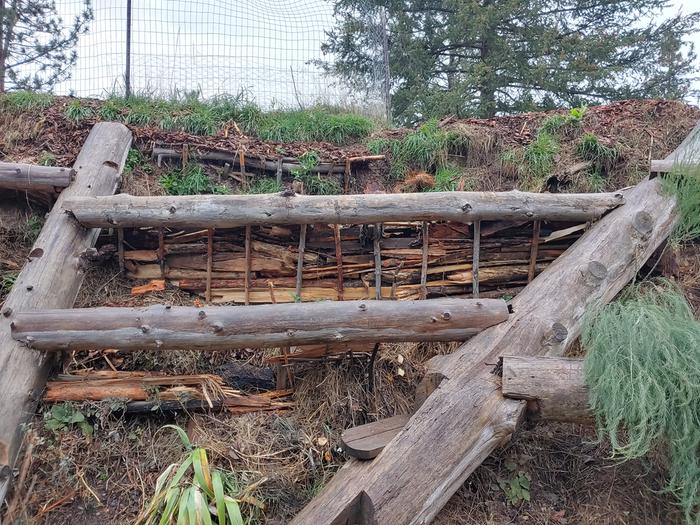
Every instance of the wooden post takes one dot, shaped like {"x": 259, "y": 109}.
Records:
{"x": 377, "y": 261}
{"x": 338, "y": 259}
{"x": 120, "y": 248}
{"x": 247, "y": 265}
{"x": 231, "y": 211}
{"x": 52, "y": 280}
{"x": 210, "y": 262}
{"x": 161, "y": 251}
{"x": 533, "y": 250}
{"x": 346, "y": 175}
{"x": 411, "y": 480}
{"x": 476, "y": 247}
{"x": 269, "y": 325}
{"x": 425, "y": 229}
{"x": 244, "y": 177}
{"x": 279, "y": 171}
{"x": 300, "y": 260}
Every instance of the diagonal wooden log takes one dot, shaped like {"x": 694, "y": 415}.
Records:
{"x": 467, "y": 417}
{"x": 29, "y": 177}
{"x": 51, "y": 278}
{"x": 270, "y": 325}
{"x": 553, "y": 387}
{"x": 229, "y": 211}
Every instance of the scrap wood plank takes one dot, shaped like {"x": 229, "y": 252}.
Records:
{"x": 367, "y": 441}
{"x": 51, "y": 278}
{"x": 412, "y": 478}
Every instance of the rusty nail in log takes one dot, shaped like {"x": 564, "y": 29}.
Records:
{"x": 168, "y": 306}
{"x": 362, "y": 306}
{"x": 30, "y": 288}
{"x": 202, "y": 314}
{"x": 446, "y": 316}
{"x": 7, "y": 312}
{"x": 145, "y": 328}
{"x": 172, "y": 209}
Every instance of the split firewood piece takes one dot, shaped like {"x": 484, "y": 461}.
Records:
{"x": 154, "y": 285}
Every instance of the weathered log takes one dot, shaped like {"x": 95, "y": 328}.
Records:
{"x": 553, "y": 387}
{"x": 163, "y": 327}
{"x": 51, "y": 279}
{"x": 685, "y": 154}
{"x": 411, "y": 480}
{"x": 28, "y": 177}
{"x": 228, "y": 211}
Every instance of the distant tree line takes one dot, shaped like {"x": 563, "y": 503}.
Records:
{"x": 485, "y": 57}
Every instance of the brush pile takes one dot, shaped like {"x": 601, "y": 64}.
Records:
{"x": 342, "y": 266}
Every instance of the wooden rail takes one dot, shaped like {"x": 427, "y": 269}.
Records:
{"x": 273, "y": 325}
{"x": 228, "y": 211}
{"x": 28, "y": 177}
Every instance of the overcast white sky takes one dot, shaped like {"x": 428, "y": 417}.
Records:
{"x": 217, "y": 46}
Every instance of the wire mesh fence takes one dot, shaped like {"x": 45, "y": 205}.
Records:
{"x": 265, "y": 50}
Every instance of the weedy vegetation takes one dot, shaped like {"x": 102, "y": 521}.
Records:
{"x": 425, "y": 149}
{"x": 564, "y": 124}
{"x": 447, "y": 178}
{"x": 46, "y": 158}
{"x": 18, "y": 101}
{"x": 77, "y": 112}
{"x": 684, "y": 183}
{"x": 313, "y": 125}
{"x": 590, "y": 147}
{"x": 193, "y": 492}
{"x": 190, "y": 180}
{"x": 66, "y": 415}
{"x": 264, "y": 185}
{"x": 314, "y": 183}
{"x": 643, "y": 370}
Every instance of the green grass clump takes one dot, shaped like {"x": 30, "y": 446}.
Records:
{"x": 314, "y": 184}
{"x": 75, "y": 111}
{"x": 589, "y": 147}
{"x": 46, "y": 158}
{"x": 193, "y": 492}
{"x": 562, "y": 124}
{"x": 447, "y": 178}
{"x": 264, "y": 185}
{"x": 684, "y": 183}
{"x": 191, "y": 180}
{"x": 25, "y": 100}
{"x": 643, "y": 370}
{"x": 426, "y": 149}
{"x": 313, "y": 125}
{"x": 539, "y": 159}
{"x": 7, "y": 281}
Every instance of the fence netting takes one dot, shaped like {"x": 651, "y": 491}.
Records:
{"x": 267, "y": 50}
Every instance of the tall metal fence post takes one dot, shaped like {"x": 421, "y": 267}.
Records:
{"x": 127, "y": 72}
{"x": 387, "y": 69}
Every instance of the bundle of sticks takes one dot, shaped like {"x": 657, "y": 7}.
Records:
{"x": 145, "y": 392}
{"x": 408, "y": 260}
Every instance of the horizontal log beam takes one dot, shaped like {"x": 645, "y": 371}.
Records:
{"x": 553, "y": 386}
{"x": 28, "y": 177}
{"x": 274, "y": 325}
{"x": 229, "y": 211}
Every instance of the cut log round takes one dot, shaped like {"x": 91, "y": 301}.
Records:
{"x": 29, "y": 177}
{"x": 274, "y": 325}
{"x": 229, "y": 211}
